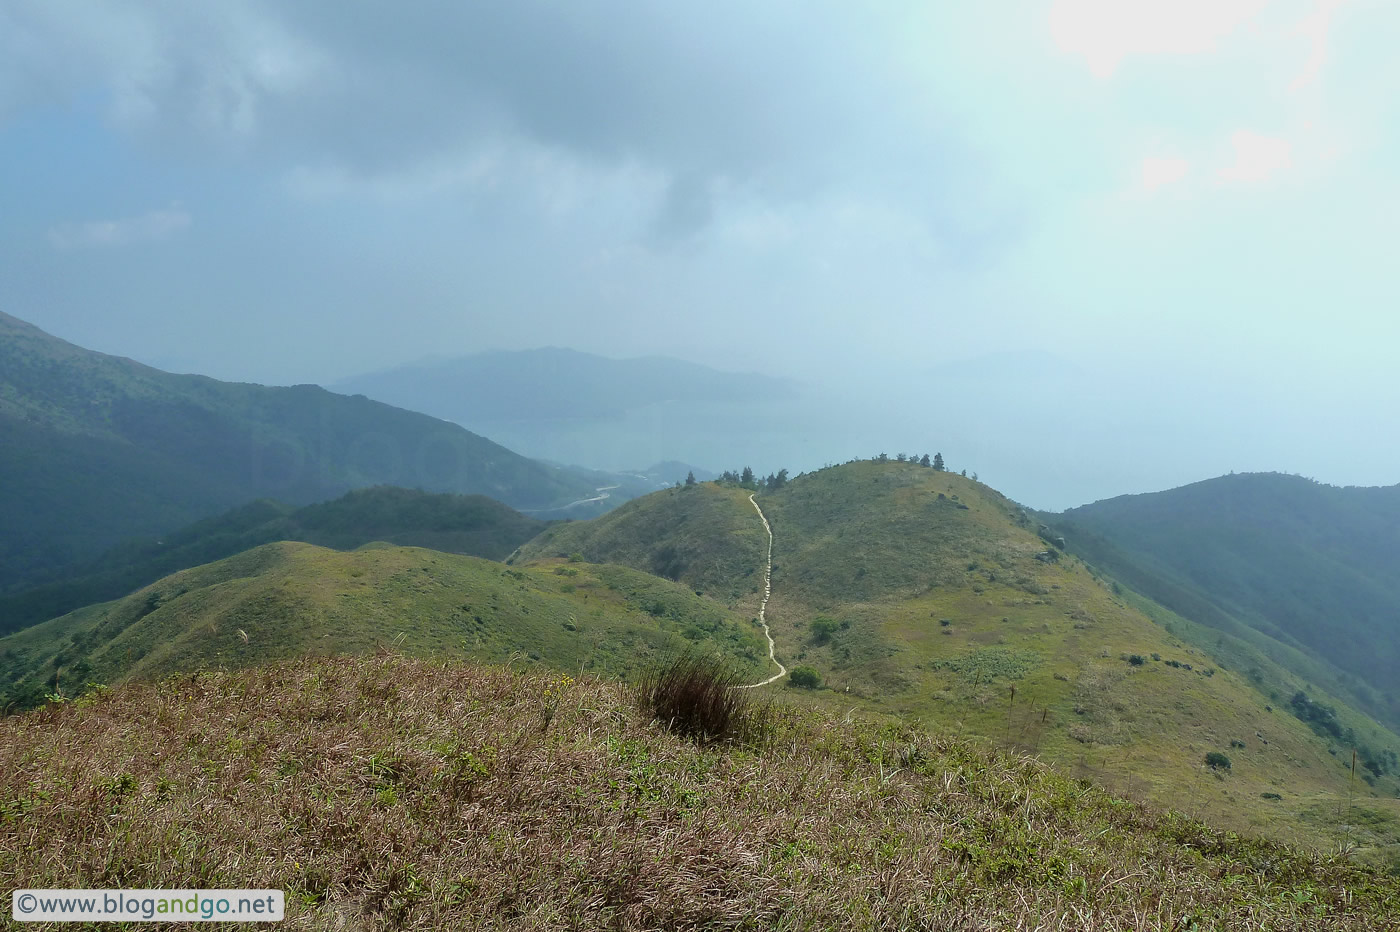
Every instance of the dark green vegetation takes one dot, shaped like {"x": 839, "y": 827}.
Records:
{"x": 290, "y": 599}
{"x": 387, "y": 793}
{"x": 469, "y": 524}
{"x": 95, "y": 450}
{"x": 1306, "y": 572}
{"x": 922, "y": 593}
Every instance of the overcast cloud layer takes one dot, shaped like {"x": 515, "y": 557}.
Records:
{"x": 1184, "y": 212}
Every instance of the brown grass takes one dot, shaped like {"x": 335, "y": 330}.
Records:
{"x": 385, "y": 793}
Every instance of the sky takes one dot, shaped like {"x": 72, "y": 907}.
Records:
{"x": 1100, "y": 246}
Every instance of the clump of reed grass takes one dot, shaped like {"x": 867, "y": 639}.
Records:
{"x": 698, "y": 695}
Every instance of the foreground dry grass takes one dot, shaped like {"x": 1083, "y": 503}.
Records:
{"x": 388, "y": 793}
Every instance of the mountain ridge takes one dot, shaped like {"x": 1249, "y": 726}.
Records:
{"x": 96, "y": 448}
{"x": 1309, "y": 564}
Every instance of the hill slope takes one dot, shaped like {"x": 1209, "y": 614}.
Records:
{"x": 1309, "y": 565}
{"x": 929, "y": 595}
{"x": 468, "y": 524}
{"x": 95, "y": 449}
{"x": 396, "y": 794}
{"x": 287, "y": 600}
{"x": 704, "y": 535}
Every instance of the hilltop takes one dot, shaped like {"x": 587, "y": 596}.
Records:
{"x": 288, "y": 600}
{"x": 930, "y": 595}
{"x": 389, "y": 793}
{"x": 95, "y": 449}
{"x": 1309, "y": 567}
{"x": 467, "y": 524}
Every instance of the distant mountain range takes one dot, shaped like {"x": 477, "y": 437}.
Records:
{"x": 1310, "y": 566}
{"x": 95, "y": 449}
{"x": 554, "y": 384}
{"x": 612, "y": 414}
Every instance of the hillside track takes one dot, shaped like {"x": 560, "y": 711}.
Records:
{"x": 763, "y": 605}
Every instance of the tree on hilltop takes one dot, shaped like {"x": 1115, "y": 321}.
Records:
{"x": 924, "y": 460}
{"x": 690, "y": 478}
{"x": 938, "y": 461}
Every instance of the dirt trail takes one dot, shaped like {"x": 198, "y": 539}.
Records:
{"x": 762, "y": 606}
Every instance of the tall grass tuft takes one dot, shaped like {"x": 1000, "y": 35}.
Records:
{"x": 696, "y": 695}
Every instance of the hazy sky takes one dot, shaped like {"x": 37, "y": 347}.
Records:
{"x": 1190, "y": 208}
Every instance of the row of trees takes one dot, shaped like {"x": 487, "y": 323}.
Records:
{"x": 746, "y": 479}
{"x": 935, "y": 463}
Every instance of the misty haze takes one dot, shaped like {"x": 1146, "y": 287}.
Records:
{"x": 828, "y": 466}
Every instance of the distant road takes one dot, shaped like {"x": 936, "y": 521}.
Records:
{"x": 605, "y": 489}
{"x": 763, "y": 606}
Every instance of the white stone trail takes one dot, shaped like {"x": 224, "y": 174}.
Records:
{"x": 763, "y": 606}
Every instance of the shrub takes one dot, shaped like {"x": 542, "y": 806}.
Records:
{"x": 1236, "y": 743}
{"x": 695, "y": 695}
{"x": 1136, "y": 660}
{"x": 822, "y": 629}
{"x": 805, "y": 678}
{"x": 1217, "y": 761}
{"x": 575, "y": 557}
{"x": 945, "y": 622}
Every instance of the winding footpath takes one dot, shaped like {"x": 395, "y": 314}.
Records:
{"x": 762, "y": 606}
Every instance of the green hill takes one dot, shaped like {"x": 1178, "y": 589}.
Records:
{"x": 95, "y": 450}
{"x": 706, "y": 536}
{"x": 929, "y": 595}
{"x": 385, "y": 793}
{"x": 1308, "y": 566}
{"x": 469, "y": 524}
{"x": 287, "y": 600}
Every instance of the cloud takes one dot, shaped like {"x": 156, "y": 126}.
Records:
{"x": 1157, "y": 172}
{"x": 1106, "y": 32}
{"x": 1257, "y": 158}
{"x": 776, "y": 103}
{"x": 1315, "y": 28}
{"x": 149, "y": 227}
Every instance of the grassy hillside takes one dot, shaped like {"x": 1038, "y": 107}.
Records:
{"x": 931, "y": 596}
{"x": 707, "y": 536}
{"x": 95, "y": 449}
{"x": 387, "y": 793}
{"x": 1308, "y": 565}
{"x": 289, "y": 600}
{"x": 469, "y": 524}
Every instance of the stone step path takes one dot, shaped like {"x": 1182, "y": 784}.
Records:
{"x": 763, "y": 606}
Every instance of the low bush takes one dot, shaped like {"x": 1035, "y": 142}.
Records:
{"x": 805, "y": 678}
{"x": 1217, "y": 761}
